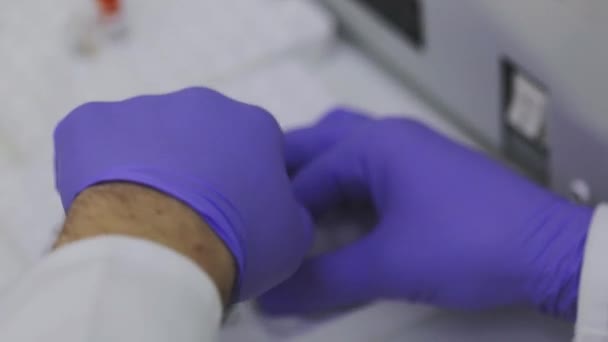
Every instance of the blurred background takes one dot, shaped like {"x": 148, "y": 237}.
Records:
{"x": 501, "y": 76}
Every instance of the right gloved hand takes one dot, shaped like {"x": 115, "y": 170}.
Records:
{"x": 456, "y": 229}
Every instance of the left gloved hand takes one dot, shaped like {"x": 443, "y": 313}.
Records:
{"x": 456, "y": 229}
{"x": 221, "y": 157}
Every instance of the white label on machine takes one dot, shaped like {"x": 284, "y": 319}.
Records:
{"x": 528, "y": 106}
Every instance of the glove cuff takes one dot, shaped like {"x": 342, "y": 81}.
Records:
{"x": 564, "y": 227}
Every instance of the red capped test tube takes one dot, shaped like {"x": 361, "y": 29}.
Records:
{"x": 109, "y": 8}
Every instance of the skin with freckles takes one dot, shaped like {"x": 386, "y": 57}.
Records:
{"x": 140, "y": 212}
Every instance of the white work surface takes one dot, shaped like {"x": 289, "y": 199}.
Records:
{"x": 290, "y": 68}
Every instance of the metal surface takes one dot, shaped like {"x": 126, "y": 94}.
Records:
{"x": 560, "y": 44}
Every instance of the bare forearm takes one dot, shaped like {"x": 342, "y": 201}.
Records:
{"x": 141, "y": 212}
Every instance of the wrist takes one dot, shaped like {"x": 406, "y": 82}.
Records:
{"x": 216, "y": 212}
{"x": 559, "y": 261}
{"x": 141, "y": 212}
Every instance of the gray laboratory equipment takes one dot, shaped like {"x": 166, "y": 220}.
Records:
{"x": 527, "y": 78}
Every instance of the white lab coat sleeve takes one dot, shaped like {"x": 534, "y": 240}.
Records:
{"x": 592, "y": 317}
{"x": 115, "y": 289}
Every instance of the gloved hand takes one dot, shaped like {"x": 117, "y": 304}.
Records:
{"x": 223, "y": 158}
{"x": 456, "y": 229}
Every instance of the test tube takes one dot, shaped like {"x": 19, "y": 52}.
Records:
{"x": 109, "y": 8}
{"x": 90, "y": 30}
{"x": 112, "y": 17}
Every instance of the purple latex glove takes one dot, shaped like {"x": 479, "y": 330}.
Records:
{"x": 456, "y": 229}
{"x": 223, "y": 158}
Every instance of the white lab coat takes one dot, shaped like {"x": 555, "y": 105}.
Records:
{"x": 126, "y": 290}
{"x": 592, "y": 320}
{"x": 111, "y": 289}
